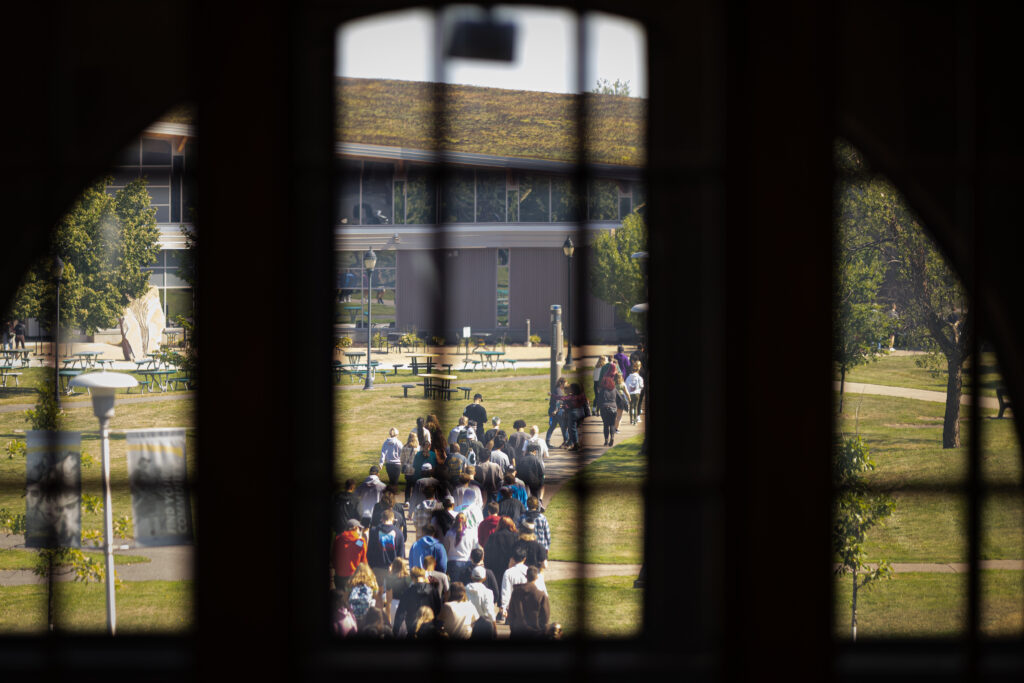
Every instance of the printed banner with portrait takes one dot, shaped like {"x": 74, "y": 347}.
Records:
{"x": 158, "y": 476}
{"x": 53, "y": 489}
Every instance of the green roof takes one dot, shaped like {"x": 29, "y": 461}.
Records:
{"x": 492, "y": 121}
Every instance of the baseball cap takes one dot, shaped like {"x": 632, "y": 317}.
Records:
{"x": 353, "y": 524}
{"x": 479, "y": 572}
{"x": 427, "y": 467}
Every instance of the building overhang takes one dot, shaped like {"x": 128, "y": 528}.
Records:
{"x": 463, "y": 235}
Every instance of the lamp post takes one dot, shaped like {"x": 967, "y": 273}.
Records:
{"x": 567, "y": 248}
{"x": 103, "y": 386}
{"x": 58, "y": 271}
{"x": 369, "y": 261}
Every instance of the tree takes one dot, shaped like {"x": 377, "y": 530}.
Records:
{"x": 859, "y": 322}
{"x": 105, "y": 241}
{"x": 856, "y": 510}
{"x": 929, "y": 298}
{"x": 606, "y": 87}
{"x": 615, "y": 277}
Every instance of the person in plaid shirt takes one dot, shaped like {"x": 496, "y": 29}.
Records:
{"x": 540, "y": 522}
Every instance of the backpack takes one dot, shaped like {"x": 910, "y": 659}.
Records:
{"x": 453, "y": 466}
{"x": 360, "y": 600}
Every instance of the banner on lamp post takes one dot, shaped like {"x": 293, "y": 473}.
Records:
{"x": 158, "y": 477}
{"x": 53, "y": 489}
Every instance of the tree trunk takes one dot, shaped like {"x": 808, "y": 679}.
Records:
{"x": 954, "y": 389}
{"x": 853, "y": 611}
{"x": 842, "y": 385}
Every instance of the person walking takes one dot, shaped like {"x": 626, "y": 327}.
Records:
{"x": 19, "y": 334}
{"x": 391, "y": 456}
{"x": 621, "y": 400}
{"x": 622, "y": 360}
{"x": 634, "y": 388}
{"x": 556, "y": 412}
{"x": 605, "y": 403}
{"x": 528, "y": 608}
{"x": 347, "y": 552}
{"x": 598, "y": 371}
{"x": 575, "y": 406}
{"x": 475, "y": 411}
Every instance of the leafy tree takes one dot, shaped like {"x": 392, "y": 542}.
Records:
{"x": 606, "y": 87}
{"x": 856, "y": 510}
{"x": 105, "y": 240}
{"x": 929, "y": 299}
{"x": 860, "y": 323}
{"x": 616, "y": 277}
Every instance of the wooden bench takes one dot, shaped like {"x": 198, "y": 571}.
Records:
{"x": 1004, "y": 400}
{"x": 407, "y": 387}
{"x": 466, "y": 390}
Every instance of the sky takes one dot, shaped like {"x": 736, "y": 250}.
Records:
{"x": 399, "y": 45}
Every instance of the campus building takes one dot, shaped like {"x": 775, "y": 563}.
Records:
{"x": 492, "y": 228}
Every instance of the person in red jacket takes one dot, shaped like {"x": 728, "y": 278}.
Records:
{"x": 347, "y": 552}
{"x": 489, "y": 524}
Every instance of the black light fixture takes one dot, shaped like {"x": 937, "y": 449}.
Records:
{"x": 568, "y": 248}
{"x": 369, "y": 263}
{"x": 58, "y": 273}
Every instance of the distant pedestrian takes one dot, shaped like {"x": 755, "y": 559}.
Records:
{"x": 556, "y": 412}
{"x": 347, "y": 553}
{"x": 622, "y": 360}
{"x": 475, "y": 411}
{"x": 19, "y": 334}
{"x": 528, "y": 608}
{"x": 391, "y": 456}
{"x": 634, "y": 387}
{"x": 598, "y": 371}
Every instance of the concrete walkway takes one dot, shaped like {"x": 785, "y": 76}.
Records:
{"x": 853, "y": 388}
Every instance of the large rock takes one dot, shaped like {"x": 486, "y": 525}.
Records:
{"x": 142, "y": 325}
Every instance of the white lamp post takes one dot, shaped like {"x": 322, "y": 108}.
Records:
{"x": 103, "y": 386}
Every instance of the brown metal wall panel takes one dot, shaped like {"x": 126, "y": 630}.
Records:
{"x": 538, "y": 280}
{"x": 416, "y": 282}
{"x": 470, "y": 282}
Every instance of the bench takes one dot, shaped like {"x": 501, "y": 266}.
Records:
{"x": 66, "y": 376}
{"x": 466, "y": 390}
{"x": 407, "y": 387}
{"x": 187, "y": 382}
{"x": 512, "y": 362}
{"x": 1004, "y": 400}
{"x": 15, "y": 375}
{"x": 438, "y": 392}
{"x": 466, "y": 365}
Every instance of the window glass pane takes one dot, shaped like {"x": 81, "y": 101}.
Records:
{"x": 163, "y": 214}
{"x": 157, "y": 278}
{"x": 157, "y": 176}
{"x": 348, "y": 194}
{"x": 155, "y": 152}
{"x": 458, "y": 197}
{"x": 386, "y": 258}
{"x": 377, "y": 206}
{"x": 179, "y": 302}
{"x": 399, "y": 201}
{"x": 160, "y": 195}
{"x": 564, "y": 202}
{"x": 123, "y": 176}
{"x": 604, "y": 200}
{"x": 490, "y": 196}
{"x": 534, "y": 198}
{"x": 420, "y": 197}
{"x": 625, "y": 207}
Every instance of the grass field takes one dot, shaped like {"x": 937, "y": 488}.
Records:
{"x": 902, "y": 371}
{"x": 31, "y": 378}
{"x": 17, "y": 558}
{"x": 914, "y": 605}
{"x": 142, "y": 607}
{"x": 614, "y": 514}
{"x": 614, "y": 607}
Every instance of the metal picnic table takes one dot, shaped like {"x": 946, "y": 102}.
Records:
{"x": 11, "y": 355}
{"x": 417, "y": 364}
{"x": 438, "y": 385}
{"x": 87, "y": 357}
{"x": 490, "y": 358}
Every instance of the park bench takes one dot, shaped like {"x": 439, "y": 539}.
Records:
{"x": 470, "y": 365}
{"x": 466, "y": 390}
{"x": 1004, "y": 400}
{"x": 65, "y": 378}
{"x": 187, "y": 382}
{"x": 407, "y": 387}
{"x": 15, "y": 375}
{"x": 512, "y": 362}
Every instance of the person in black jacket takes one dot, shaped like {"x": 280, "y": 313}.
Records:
{"x": 499, "y": 547}
{"x": 605, "y": 403}
{"x": 345, "y": 506}
{"x": 531, "y": 470}
{"x": 420, "y": 593}
{"x": 475, "y": 411}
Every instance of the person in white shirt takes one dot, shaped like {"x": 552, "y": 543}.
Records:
{"x": 391, "y": 456}
{"x": 480, "y": 595}
{"x": 535, "y": 437}
{"x": 369, "y": 493}
{"x": 499, "y": 456}
{"x": 459, "y": 614}
{"x": 634, "y": 387}
{"x": 514, "y": 575}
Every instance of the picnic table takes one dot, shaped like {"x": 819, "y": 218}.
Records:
{"x": 11, "y": 355}
{"x": 157, "y": 376}
{"x": 354, "y": 356}
{"x": 8, "y": 370}
{"x": 435, "y": 385}
{"x": 490, "y": 358}
{"x": 355, "y": 370}
{"x": 88, "y": 357}
{"x": 417, "y": 363}
{"x": 352, "y": 310}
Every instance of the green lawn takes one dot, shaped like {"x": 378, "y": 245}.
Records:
{"x": 31, "y": 378}
{"x": 142, "y": 607}
{"x": 614, "y": 527}
{"x": 905, "y": 438}
{"x": 614, "y": 607}
{"x": 914, "y": 605}
{"x": 17, "y": 558}
{"x": 902, "y": 371}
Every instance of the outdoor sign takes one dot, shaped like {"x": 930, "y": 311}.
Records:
{"x": 466, "y": 333}
{"x": 159, "y": 482}
{"x": 53, "y": 489}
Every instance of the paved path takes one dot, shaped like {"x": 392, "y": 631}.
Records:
{"x": 918, "y": 394}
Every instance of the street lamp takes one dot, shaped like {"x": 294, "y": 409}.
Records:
{"x": 103, "y": 386}
{"x": 567, "y": 248}
{"x": 369, "y": 261}
{"x": 58, "y": 272}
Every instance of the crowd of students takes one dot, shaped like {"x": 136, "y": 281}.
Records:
{"x": 475, "y": 505}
